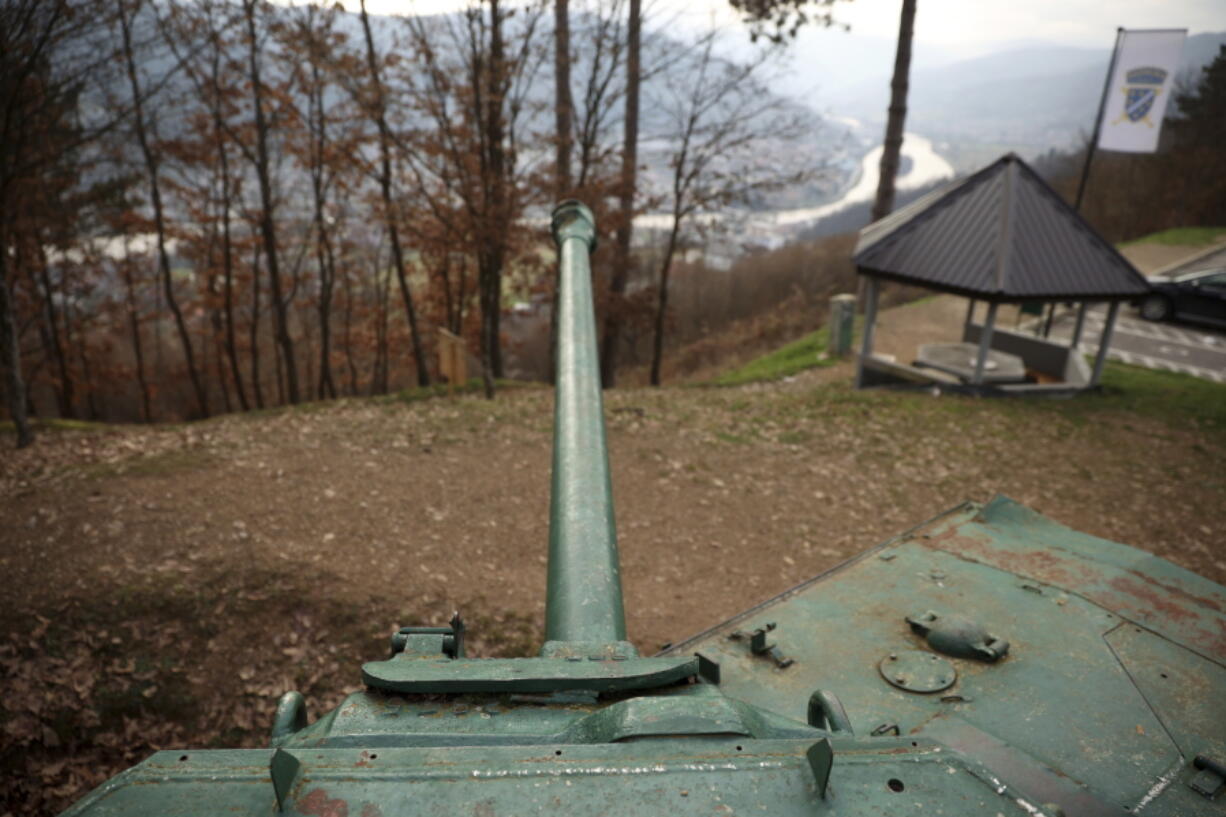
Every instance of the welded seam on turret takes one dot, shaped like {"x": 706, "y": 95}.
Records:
{"x": 1141, "y": 692}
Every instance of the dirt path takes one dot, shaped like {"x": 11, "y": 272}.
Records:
{"x": 724, "y": 497}
{"x": 1149, "y": 258}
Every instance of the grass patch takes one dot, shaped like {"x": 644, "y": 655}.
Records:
{"x": 805, "y": 353}
{"x": 166, "y": 463}
{"x": 472, "y": 386}
{"x": 1182, "y": 236}
{"x": 413, "y": 394}
{"x": 1177, "y": 398}
{"x": 53, "y": 424}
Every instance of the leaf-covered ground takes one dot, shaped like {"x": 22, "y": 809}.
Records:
{"x": 164, "y": 585}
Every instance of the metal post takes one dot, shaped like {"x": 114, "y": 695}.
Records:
{"x": 584, "y": 601}
{"x": 1098, "y": 122}
{"x": 870, "y": 321}
{"x": 1104, "y": 343}
{"x": 842, "y": 319}
{"x": 1080, "y": 325}
{"x": 985, "y": 342}
{"x": 970, "y": 316}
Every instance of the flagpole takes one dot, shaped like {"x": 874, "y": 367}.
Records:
{"x": 1085, "y": 167}
{"x": 1098, "y": 121}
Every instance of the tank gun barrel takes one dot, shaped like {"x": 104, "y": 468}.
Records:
{"x": 584, "y": 601}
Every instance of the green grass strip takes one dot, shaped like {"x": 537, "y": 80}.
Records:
{"x": 1182, "y": 236}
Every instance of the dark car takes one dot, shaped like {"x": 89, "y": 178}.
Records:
{"x": 1198, "y": 296}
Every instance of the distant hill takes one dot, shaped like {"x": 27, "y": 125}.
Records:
{"x": 1027, "y": 99}
{"x": 858, "y": 214}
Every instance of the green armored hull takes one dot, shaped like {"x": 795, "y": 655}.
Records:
{"x": 989, "y": 662}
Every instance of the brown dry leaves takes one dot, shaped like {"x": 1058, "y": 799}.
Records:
{"x": 165, "y": 585}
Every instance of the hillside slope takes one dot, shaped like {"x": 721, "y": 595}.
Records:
{"x": 166, "y": 584}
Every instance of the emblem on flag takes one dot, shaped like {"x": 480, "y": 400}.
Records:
{"x": 1141, "y": 89}
{"x": 1142, "y": 66}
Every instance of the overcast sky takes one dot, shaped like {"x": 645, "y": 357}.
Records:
{"x": 968, "y": 26}
{"x": 1088, "y": 23}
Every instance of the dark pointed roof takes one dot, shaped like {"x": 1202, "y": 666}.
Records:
{"x": 1000, "y": 234}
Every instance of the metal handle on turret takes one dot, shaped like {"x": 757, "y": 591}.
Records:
{"x": 584, "y": 600}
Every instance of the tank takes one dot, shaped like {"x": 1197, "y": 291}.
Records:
{"x": 987, "y": 662}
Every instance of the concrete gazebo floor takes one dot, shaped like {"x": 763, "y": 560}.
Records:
{"x": 937, "y": 319}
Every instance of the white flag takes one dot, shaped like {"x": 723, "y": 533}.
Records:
{"x": 1141, "y": 85}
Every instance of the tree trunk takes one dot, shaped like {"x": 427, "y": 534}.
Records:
{"x": 346, "y": 337}
{"x": 657, "y": 342}
{"x": 227, "y": 261}
{"x": 254, "y": 335}
{"x": 217, "y": 325}
{"x": 10, "y": 354}
{"x": 64, "y": 393}
{"x": 625, "y": 227}
{"x": 489, "y": 308}
{"x": 227, "y": 242}
{"x": 327, "y": 275}
{"x": 444, "y": 280}
{"x": 159, "y": 222}
{"x": 323, "y": 243}
{"x": 489, "y": 83}
{"x": 278, "y": 374}
{"x": 461, "y": 297}
{"x": 91, "y": 404}
{"x": 564, "y": 104}
{"x": 389, "y": 208}
{"x": 134, "y": 326}
{"x": 267, "y": 223}
{"x": 381, "y": 380}
{"x": 897, "y": 115}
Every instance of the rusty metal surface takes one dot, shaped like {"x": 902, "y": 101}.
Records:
{"x": 1069, "y": 715}
{"x": 1183, "y": 689}
{"x": 1135, "y": 584}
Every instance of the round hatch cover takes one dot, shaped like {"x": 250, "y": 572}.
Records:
{"x": 917, "y": 671}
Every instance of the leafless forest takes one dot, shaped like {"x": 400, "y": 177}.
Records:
{"x": 223, "y": 205}
{"x": 215, "y": 206}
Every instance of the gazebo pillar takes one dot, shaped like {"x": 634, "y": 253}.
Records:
{"x": 870, "y": 321}
{"x": 1080, "y": 325}
{"x": 970, "y": 315}
{"x": 1104, "y": 343}
{"x": 985, "y": 342}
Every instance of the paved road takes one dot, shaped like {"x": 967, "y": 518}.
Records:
{"x": 1174, "y": 347}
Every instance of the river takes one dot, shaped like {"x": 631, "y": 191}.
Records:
{"x": 925, "y": 166}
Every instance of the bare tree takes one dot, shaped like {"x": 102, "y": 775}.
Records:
{"x": 605, "y": 40}
{"x": 51, "y": 51}
{"x": 724, "y": 124}
{"x": 198, "y": 36}
{"x": 629, "y": 172}
{"x": 469, "y": 86}
{"x": 306, "y": 47}
{"x": 268, "y": 228}
{"x": 151, "y": 160}
{"x": 378, "y": 112}
{"x": 892, "y": 149}
{"x": 563, "y": 102}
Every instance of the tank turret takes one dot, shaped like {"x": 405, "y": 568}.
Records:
{"x": 988, "y": 662}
